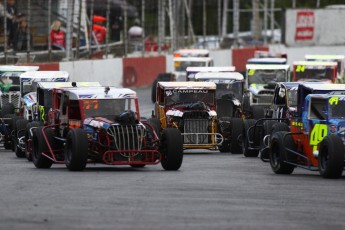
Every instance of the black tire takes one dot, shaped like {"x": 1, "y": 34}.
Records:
{"x": 258, "y": 112}
{"x": 246, "y": 103}
{"x": 280, "y": 126}
{"x": 7, "y": 131}
{"x": 267, "y": 131}
{"x": 13, "y": 128}
{"x": 20, "y": 133}
{"x": 7, "y": 109}
{"x": 76, "y": 150}
{"x": 236, "y": 131}
{"x": 171, "y": 148}
{"x": 153, "y": 91}
{"x": 248, "y": 135}
{"x": 29, "y": 135}
{"x": 226, "y": 126}
{"x": 331, "y": 157}
{"x": 156, "y": 124}
{"x": 225, "y": 108}
{"x": 278, "y": 153}
{"x": 39, "y": 145}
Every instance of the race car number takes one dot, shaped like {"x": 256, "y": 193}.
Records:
{"x": 300, "y": 68}
{"x": 317, "y": 134}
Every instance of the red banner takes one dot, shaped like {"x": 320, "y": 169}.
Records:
{"x": 305, "y": 23}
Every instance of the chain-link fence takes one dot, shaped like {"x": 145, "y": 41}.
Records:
{"x": 57, "y": 30}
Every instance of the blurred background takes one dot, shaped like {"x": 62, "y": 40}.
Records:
{"x": 64, "y": 30}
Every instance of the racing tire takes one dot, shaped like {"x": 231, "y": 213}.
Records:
{"x": 7, "y": 131}
{"x": 20, "y": 133}
{"x": 225, "y": 146}
{"x": 8, "y": 108}
{"x": 331, "y": 157}
{"x": 29, "y": 135}
{"x": 76, "y": 150}
{"x": 13, "y": 129}
{"x": 280, "y": 142}
{"x": 171, "y": 148}
{"x": 258, "y": 112}
{"x": 236, "y": 129}
{"x": 156, "y": 124}
{"x": 39, "y": 145}
{"x": 153, "y": 91}
{"x": 279, "y": 126}
{"x": 265, "y": 139}
{"x": 250, "y": 135}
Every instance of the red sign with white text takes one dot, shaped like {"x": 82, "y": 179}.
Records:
{"x": 305, "y": 23}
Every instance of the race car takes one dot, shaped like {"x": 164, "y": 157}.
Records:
{"x": 102, "y": 125}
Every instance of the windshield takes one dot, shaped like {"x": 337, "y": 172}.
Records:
{"x": 337, "y": 109}
{"x": 187, "y": 96}
{"x": 9, "y": 78}
{"x": 108, "y": 108}
{"x": 28, "y": 87}
{"x": 265, "y": 76}
{"x": 181, "y": 66}
{"x": 315, "y": 74}
{"x": 229, "y": 87}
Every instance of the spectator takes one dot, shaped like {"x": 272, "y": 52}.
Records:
{"x": 135, "y": 33}
{"x": 12, "y": 24}
{"x": 21, "y": 34}
{"x": 57, "y": 36}
{"x": 98, "y": 29}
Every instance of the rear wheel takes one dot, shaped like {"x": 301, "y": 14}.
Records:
{"x": 278, "y": 152}
{"x": 76, "y": 150}
{"x": 153, "y": 91}
{"x": 39, "y": 146}
{"x": 13, "y": 128}
{"x": 20, "y": 137}
{"x": 331, "y": 157}
{"x": 250, "y": 138}
{"x": 236, "y": 129}
{"x": 171, "y": 149}
{"x": 225, "y": 123}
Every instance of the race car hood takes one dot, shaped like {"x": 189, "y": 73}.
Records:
{"x": 259, "y": 88}
{"x": 98, "y": 122}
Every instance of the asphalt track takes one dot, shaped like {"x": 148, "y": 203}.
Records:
{"x": 212, "y": 190}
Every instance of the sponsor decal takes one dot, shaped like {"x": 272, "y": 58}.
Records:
{"x": 305, "y": 23}
{"x": 180, "y": 91}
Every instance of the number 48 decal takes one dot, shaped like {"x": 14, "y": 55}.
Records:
{"x": 317, "y": 134}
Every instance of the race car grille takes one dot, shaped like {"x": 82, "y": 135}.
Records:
{"x": 263, "y": 99}
{"x": 11, "y": 98}
{"x": 126, "y": 137}
{"x": 194, "y": 126}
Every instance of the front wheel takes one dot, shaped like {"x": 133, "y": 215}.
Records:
{"x": 171, "y": 149}
{"x": 76, "y": 150}
{"x": 331, "y": 157}
{"x": 39, "y": 146}
{"x": 20, "y": 140}
{"x": 250, "y": 137}
{"x": 280, "y": 142}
